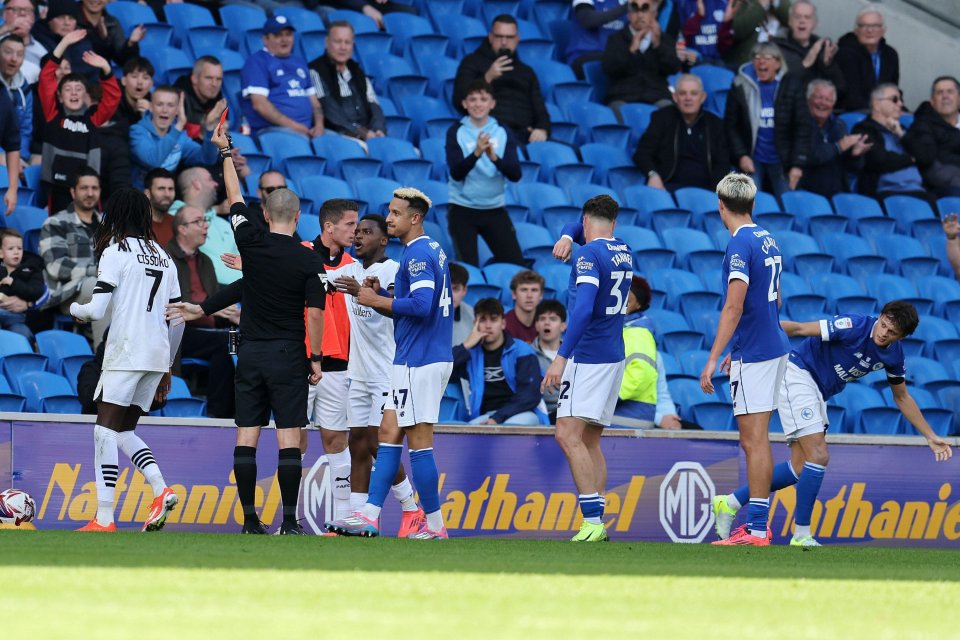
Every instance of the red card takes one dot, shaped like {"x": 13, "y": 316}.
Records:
{"x": 223, "y": 117}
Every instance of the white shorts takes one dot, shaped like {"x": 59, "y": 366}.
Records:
{"x": 754, "y": 386}
{"x": 802, "y": 409}
{"x": 327, "y": 402}
{"x": 126, "y": 388}
{"x": 415, "y": 392}
{"x": 589, "y": 391}
{"x": 367, "y": 401}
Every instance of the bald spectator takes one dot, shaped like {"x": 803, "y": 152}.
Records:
{"x": 866, "y": 59}
{"x": 685, "y": 145}
{"x": 594, "y": 21}
{"x": 520, "y": 105}
{"x": 17, "y": 87}
{"x": 19, "y": 16}
{"x": 806, "y": 53}
{"x": 934, "y": 137}
{"x": 350, "y": 105}
{"x": 202, "y": 95}
{"x": 639, "y": 58}
{"x": 889, "y": 167}
{"x": 161, "y": 190}
{"x": 755, "y": 21}
{"x": 198, "y": 189}
{"x": 277, "y": 92}
{"x": 835, "y": 154}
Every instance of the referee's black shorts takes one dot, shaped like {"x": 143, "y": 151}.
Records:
{"x": 272, "y": 377}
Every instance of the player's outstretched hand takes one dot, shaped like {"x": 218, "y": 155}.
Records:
{"x": 315, "y": 373}
{"x": 554, "y": 373}
{"x": 725, "y": 364}
{"x": 180, "y": 312}
{"x": 941, "y": 450}
{"x": 347, "y": 285}
{"x": 232, "y": 260}
{"x": 706, "y": 377}
{"x": 563, "y": 249}
{"x": 163, "y": 389}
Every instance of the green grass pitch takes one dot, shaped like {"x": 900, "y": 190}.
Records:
{"x": 177, "y": 585}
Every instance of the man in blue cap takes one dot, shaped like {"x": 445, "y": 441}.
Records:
{"x": 277, "y": 91}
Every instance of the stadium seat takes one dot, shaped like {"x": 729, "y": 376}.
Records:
{"x": 537, "y": 197}
{"x": 308, "y": 227}
{"x": 837, "y": 288}
{"x": 299, "y": 168}
{"x": 854, "y": 254}
{"x": 766, "y": 203}
{"x": 360, "y": 22}
{"x": 184, "y": 408}
{"x": 806, "y": 204}
{"x": 206, "y": 41}
{"x": 39, "y": 386}
{"x": 403, "y": 27}
{"x": 880, "y": 421}
{"x": 857, "y": 397}
{"x": 405, "y": 164}
{"x": 58, "y": 345}
{"x": 184, "y": 16}
{"x": 304, "y": 19}
{"x": 280, "y": 145}
{"x": 480, "y": 291}
{"x": 451, "y": 410}
{"x": 693, "y": 362}
{"x": 580, "y": 193}
{"x": 693, "y": 248}
{"x": 647, "y": 199}
{"x": 131, "y": 14}
{"x": 714, "y": 416}
{"x": 906, "y": 210}
{"x": 806, "y": 307}
{"x": 604, "y": 157}
{"x": 686, "y": 393}
{"x": 802, "y": 254}
{"x": 836, "y": 419}
{"x": 238, "y": 18}
{"x": 18, "y": 358}
{"x": 699, "y": 201}
{"x": 855, "y": 206}
{"x": 636, "y": 115}
{"x": 459, "y": 28}
{"x": 851, "y": 119}
{"x": 532, "y": 235}
{"x": 500, "y": 274}
{"x": 907, "y": 252}
{"x": 376, "y": 192}
{"x": 674, "y": 282}
{"x": 552, "y": 155}
{"x": 714, "y": 78}
{"x": 638, "y": 239}
{"x": 10, "y": 401}
{"x": 922, "y": 371}
{"x": 598, "y": 124}
{"x": 665, "y": 321}
{"x": 321, "y": 188}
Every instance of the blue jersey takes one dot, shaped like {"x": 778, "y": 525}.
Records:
{"x": 753, "y": 256}
{"x": 423, "y": 307}
{"x": 283, "y": 81}
{"x": 846, "y": 351}
{"x": 602, "y": 272}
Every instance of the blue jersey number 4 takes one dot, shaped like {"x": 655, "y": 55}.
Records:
{"x": 445, "y": 299}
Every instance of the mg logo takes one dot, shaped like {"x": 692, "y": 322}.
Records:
{"x": 316, "y": 497}
{"x": 685, "y": 502}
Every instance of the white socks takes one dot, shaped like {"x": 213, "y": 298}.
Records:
{"x": 340, "y": 482}
{"x": 139, "y": 453}
{"x": 106, "y": 469}
{"x": 403, "y": 492}
{"x": 802, "y": 531}
{"x": 733, "y": 503}
{"x": 435, "y": 520}
{"x": 357, "y": 500}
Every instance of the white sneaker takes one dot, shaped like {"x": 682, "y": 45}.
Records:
{"x": 724, "y": 516}
{"x": 805, "y": 541}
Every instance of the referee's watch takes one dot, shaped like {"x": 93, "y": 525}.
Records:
{"x": 316, "y": 357}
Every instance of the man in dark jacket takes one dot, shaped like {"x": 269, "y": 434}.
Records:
{"x": 834, "y": 153}
{"x": 866, "y": 59}
{"x": 935, "y": 137}
{"x": 201, "y": 90}
{"x": 106, "y": 34}
{"x": 639, "y": 58}
{"x": 504, "y": 373}
{"x": 350, "y": 105}
{"x": 808, "y": 54}
{"x": 137, "y": 81}
{"x": 520, "y": 105}
{"x": 767, "y": 121}
{"x": 685, "y": 145}
{"x": 10, "y": 143}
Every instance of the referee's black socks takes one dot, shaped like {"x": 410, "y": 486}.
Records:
{"x": 289, "y": 472}
{"x": 245, "y": 471}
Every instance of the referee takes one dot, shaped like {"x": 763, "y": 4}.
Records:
{"x": 280, "y": 277}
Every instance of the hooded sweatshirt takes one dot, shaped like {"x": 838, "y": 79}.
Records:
{"x": 18, "y": 89}
{"x": 478, "y": 183}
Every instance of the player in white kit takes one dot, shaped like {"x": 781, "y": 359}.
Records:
{"x": 138, "y": 278}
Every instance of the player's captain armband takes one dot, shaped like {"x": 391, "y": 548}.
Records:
{"x": 236, "y": 220}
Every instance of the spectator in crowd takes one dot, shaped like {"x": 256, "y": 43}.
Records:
{"x": 199, "y": 190}
{"x": 106, "y": 34}
{"x": 36, "y": 141}
{"x": 277, "y": 92}
{"x": 136, "y": 83}
{"x": 202, "y": 96}
{"x": 69, "y": 140}
{"x": 481, "y": 156}
{"x": 10, "y": 141}
{"x": 638, "y": 59}
{"x": 951, "y": 229}
{"x": 551, "y": 322}
{"x": 503, "y": 372}
{"x": 806, "y": 53}
{"x": 834, "y": 154}
{"x": 17, "y": 86}
{"x": 198, "y": 281}
{"x": 526, "y": 287}
{"x": 866, "y": 60}
{"x": 19, "y": 16}
{"x": 160, "y": 139}
{"x": 66, "y": 246}
{"x": 645, "y": 399}
{"x": 373, "y": 9}
{"x": 60, "y": 21}
{"x": 754, "y": 21}
{"x": 350, "y": 105}
{"x": 707, "y": 28}
{"x": 685, "y": 145}
{"x": 161, "y": 189}
{"x": 17, "y": 278}
{"x": 934, "y": 137}
{"x": 463, "y": 316}
{"x": 594, "y": 21}
{"x": 520, "y": 105}
{"x": 767, "y": 121}
{"x": 889, "y": 167}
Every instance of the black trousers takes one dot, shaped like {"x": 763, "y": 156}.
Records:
{"x": 494, "y": 225}
{"x": 211, "y": 345}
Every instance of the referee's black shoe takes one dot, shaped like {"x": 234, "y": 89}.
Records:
{"x": 288, "y": 528}
{"x": 254, "y": 527}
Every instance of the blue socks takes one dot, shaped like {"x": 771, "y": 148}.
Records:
{"x": 783, "y": 476}
{"x": 757, "y": 513}
{"x": 591, "y": 506}
{"x": 807, "y": 489}
{"x": 384, "y": 471}
{"x": 426, "y": 478}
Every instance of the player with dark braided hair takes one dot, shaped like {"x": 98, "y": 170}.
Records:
{"x": 138, "y": 278}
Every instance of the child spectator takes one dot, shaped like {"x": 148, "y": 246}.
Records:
{"x": 462, "y": 312}
{"x": 17, "y": 280}
{"x": 526, "y": 287}
{"x": 551, "y": 322}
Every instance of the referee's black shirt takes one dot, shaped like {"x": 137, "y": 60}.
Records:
{"x": 280, "y": 277}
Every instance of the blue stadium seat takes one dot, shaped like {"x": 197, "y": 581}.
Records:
{"x": 560, "y": 129}
{"x": 532, "y": 235}
{"x": 480, "y": 291}
{"x": 854, "y": 253}
{"x": 304, "y": 19}
{"x": 298, "y": 168}
{"x": 537, "y": 197}
{"x": 10, "y": 401}
{"x": 167, "y": 58}
{"x": 922, "y": 371}
{"x": 674, "y": 282}
{"x": 18, "y": 358}
{"x": 280, "y": 145}
{"x": 401, "y": 157}
{"x": 558, "y": 81}
{"x": 636, "y": 115}
{"x": 837, "y": 288}
{"x": 851, "y": 119}
{"x": 699, "y": 201}
{"x": 686, "y": 393}
{"x": 857, "y": 397}
{"x": 948, "y": 205}
{"x": 909, "y": 253}
{"x": 451, "y": 410}
{"x": 806, "y": 204}
{"x": 424, "y": 108}
{"x": 665, "y": 321}
{"x": 802, "y": 254}
{"x": 312, "y": 44}
{"x": 321, "y": 188}
{"x": 238, "y": 18}
{"x": 252, "y": 41}
{"x": 872, "y": 227}
{"x": 184, "y": 408}
{"x": 184, "y": 16}
{"x": 28, "y": 220}
{"x": 880, "y": 421}
{"x": 855, "y": 206}
{"x": 654, "y": 258}
{"x": 932, "y": 329}
{"x": 693, "y": 362}
{"x": 474, "y": 274}
{"x": 604, "y": 157}
{"x": 437, "y": 8}
{"x": 886, "y": 286}
{"x": 694, "y": 304}
{"x": 714, "y": 78}
{"x": 376, "y": 192}
{"x": 553, "y": 155}
{"x": 38, "y": 386}
{"x": 598, "y": 124}
{"x": 950, "y": 400}
{"x": 371, "y": 45}
{"x": 360, "y": 22}
{"x": 58, "y": 345}
{"x": 638, "y": 239}
{"x": 647, "y": 199}
{"x": 714, "y": 416}
{"x": 766, "y": 203}
{"x": 206, "y": 40}
{"x": 925, "y": 399}
{"x": 500, "y": 274}
{"x": 705, "y": 321}
{"x": 557, "y": 274}
{"x": 462, "y": 27}
{"x": 404, "y": 26}
{"x": 434, "y": 149}
{"x": 836, "y": 419}
{"x": 906, "y": 210}
{"x": 691, "y": 247}
{"x": 159, "y": 34}
{"x": 806, "y": 307}
{"x": 308, "y": 227}
{"x": 593, "y": 72}
{"x": 776, "y": 221}
{"x": 132, "y": 14}
{"x": 580, "y": 193}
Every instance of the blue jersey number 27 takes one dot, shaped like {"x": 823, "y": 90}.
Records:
{"x": 776, "y": 268}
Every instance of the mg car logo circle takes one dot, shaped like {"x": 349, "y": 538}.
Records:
{"x": 686, "y": 494}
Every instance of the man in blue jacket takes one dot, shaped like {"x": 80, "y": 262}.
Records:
{"x": 504, "y": 374}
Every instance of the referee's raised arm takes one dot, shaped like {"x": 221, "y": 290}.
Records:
{"x": 231, "y": 180}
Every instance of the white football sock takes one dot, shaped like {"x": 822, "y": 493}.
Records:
{"x": 802, "y": 531}
{"x": 340, "y": 482}
{"x": 357, "y": 500}
{"x": 435, "y": 521}
{"x": 403, "y": 491}
{"x": 106, "y": 469}
{"x": 370, "y": 511}
{"x": 139, "y": 453}
{"x": 733, "y": 503}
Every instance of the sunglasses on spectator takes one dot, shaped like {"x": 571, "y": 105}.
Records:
{"x": 269, "y": 190}
{"x": 893, "y": 99}
{"x": 639, "y": 8}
